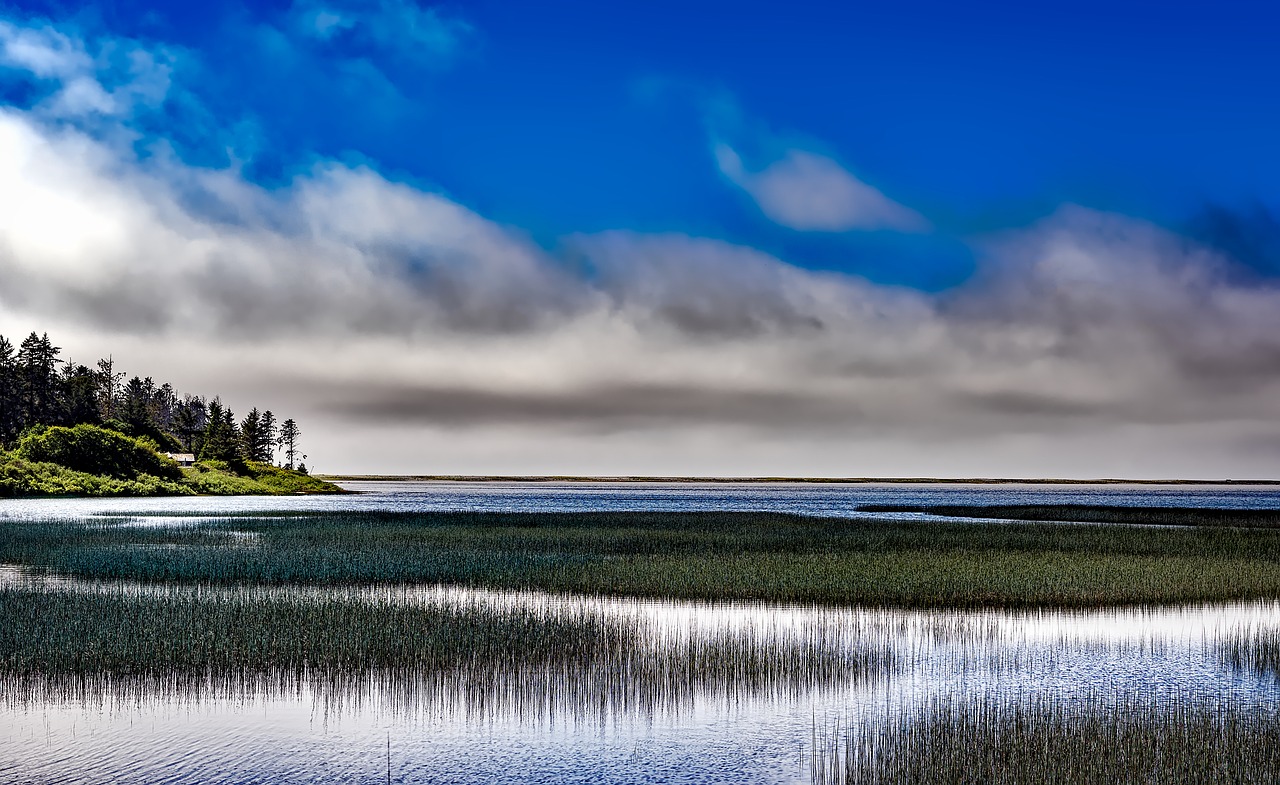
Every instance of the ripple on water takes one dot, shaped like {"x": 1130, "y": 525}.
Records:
{"x": 297, "y": 731}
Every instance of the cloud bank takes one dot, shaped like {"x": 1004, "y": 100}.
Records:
{"x": 413, "y": 334}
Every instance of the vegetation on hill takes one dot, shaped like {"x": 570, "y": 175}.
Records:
{"x": 94, "y": 450}
{"x": 87, "y": 460}
{"x": 39, "y": 388}
{"x": 69, "y": 430}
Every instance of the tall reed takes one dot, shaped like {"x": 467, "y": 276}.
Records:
{"x": 1043, "y": 742}
{"x": 201, "y": 642}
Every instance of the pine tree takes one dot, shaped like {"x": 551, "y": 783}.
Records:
{"x": 289, "y": 435}
{"x": 38, "y": 379}
{"x": 164, "y": 405}
{"x": 109, "y": 381}
{"x": 190, "y": 419}
{"x": 219, "y": 435}
{"x": 79, "y": 395}
{"x": 251, "y": 446}
{"x": 135, "y": 408}
{"x": 10, "y": 412}
{"x": 270, "y": 436}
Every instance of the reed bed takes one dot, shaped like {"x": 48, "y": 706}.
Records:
{"x": 1043, "y": 742}
{"x": 1093, "y": 513}
{"x": 200, "y": 643}
{"x": 710, "y": 556}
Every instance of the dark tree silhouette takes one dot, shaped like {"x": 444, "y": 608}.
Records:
{"x": 270, "y": 436}
{"x": 38, "y": 380}
{"x": 109, "y": 383}
{"x": 10, "y": 406}
{"x": 38, "y": 388}
{"x": 289, "y": 435}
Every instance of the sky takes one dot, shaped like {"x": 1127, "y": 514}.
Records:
{"x": 729, "y": 239}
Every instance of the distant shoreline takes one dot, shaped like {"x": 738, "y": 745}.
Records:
{"x": 773, "y": 480}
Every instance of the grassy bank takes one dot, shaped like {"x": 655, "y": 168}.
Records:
{"x": 215, "y": 478}
{"x": 22, "y": 478}
{"x": 716, "y": 556}
{"x": 89, "y": 460}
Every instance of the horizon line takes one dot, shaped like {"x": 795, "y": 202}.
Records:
{"x": 537, "y": 478}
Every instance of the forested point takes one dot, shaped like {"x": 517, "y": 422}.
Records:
{"x": 68, "y": 429}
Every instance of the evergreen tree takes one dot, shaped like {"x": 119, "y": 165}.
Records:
{"x": 163, "y": 408}
{"x": 109, "y": 381}
{"x": 135, "y": 407}
{"x": 289, "y": 435}
{"x": 79, "y": 395}
{"x": 189, "y": 421}
{"x": 219, "y": 435}
{"x": 10, "y": 409}
{"x": 252, "y": 446}
{"x": 270, "y": 436}
{"x": 38, "y": 380}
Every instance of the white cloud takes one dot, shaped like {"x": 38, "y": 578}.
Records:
{"x": 400, "y": 26}
{"x": 75, "y": 74}
{"x": 410, "y": 333}
{"x": 809, "y": 192}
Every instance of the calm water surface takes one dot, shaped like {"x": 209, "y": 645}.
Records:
{"x": 307, "y": 733}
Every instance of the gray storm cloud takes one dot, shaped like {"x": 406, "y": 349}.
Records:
{"x": 379, "y": 310}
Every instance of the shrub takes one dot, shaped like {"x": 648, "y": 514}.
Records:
{"x": 94, "y": 450}
{"x": 20, "y": 477}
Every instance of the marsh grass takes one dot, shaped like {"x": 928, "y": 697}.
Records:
{"x": 712, "y": 556}
{"x": 1042, "y": 742}
{"x": 201, "y": 642}
{"x": 1091, "y": 513}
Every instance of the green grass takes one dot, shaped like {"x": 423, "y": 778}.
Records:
{"x": 1093, "y": 513}
{"x": 714, "y": 556}
{"x": 215, "y": 478}
{"x": 1044, "y": 743}
{"x": 193, "y": 642}
{"x": 22, "y": 477}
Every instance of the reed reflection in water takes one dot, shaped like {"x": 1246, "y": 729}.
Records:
{"x": 476, "y": 683}
{"x": 416, "y": 653}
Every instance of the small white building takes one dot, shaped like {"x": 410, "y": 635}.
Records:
{"x": 184, "y": 459}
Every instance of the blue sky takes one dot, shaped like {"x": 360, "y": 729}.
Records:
{"x": 704, "y": 238}
{"x": 564, "y": 117}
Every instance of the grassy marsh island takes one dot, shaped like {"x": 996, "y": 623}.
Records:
{"x": 1092, "y": 513}
{"x": 680, "y": 555}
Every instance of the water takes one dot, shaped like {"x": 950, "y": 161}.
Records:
{"x": 813, "y": 499}
{"x": 736, "y": 733}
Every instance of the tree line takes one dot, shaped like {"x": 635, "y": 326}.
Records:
{"x": 38, "y": 387}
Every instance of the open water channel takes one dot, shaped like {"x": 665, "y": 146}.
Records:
{"x": 730, "y": 731}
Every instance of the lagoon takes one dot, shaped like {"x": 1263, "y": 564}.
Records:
{"x": 580, "y": 721}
